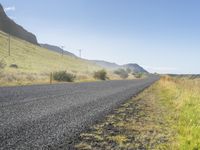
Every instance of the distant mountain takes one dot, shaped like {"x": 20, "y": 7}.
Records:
{"x": 9, "y": 26}
{"x": 57, "y": 49}
{"x": 113, "y": 66}
{"x": 135, "y": 68}
{"x": 105, "y": 64}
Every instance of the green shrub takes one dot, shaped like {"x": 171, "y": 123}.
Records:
{"x": 63, "y": 76}
{"x": 138, "y": 75}
{"x": 128, "y": 70}
{"x": 13, "y": 66}
{"x": 101, "y": 74}
{"x": 122, "y": 73}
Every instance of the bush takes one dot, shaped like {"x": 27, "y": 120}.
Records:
{"x": 63, "y": 76}
{"x": 13, "y": 66}
{"x": 101, "y": 74}
{"x": 138, "y": 75}
{"x": 122, "y": 73}
{"x": 128, "y": 70}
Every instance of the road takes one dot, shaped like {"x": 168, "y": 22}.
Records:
{"x": 51, "y": 116}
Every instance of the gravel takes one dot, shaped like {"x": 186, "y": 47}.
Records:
{"x": 52, "y": 116}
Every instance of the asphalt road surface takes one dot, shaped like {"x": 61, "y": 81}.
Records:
{"x": 51, "y": 116}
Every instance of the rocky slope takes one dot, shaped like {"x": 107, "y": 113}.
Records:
{"x": 113, "y": 66}
{"x": 9, "y": 26}
{"x": 135, "y": 68}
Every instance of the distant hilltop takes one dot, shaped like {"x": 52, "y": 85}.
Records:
{"x": 113, "y": 66}
{"x": 135, "y": 68}
{"x": 9, "y": 26}
{"x": 106, "y": 64}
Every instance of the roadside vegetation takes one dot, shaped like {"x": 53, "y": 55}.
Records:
{"x": 63, "y": 76}
{"x": 138, "y": 75}
{"x": 164, "y": 116}
{"x": 100, "y": 75}
{"x": 128, "y": 73}
{"x": 122, "y": 73}
{"x": 183, "y": 95}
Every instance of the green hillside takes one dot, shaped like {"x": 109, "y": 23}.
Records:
{"x": 35, "y": 63}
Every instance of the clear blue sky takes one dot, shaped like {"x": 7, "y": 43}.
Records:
{"x": 160, "y": 35}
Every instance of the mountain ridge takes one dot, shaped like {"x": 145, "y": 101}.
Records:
{"x": 113, "y": 66}
{"x": 8, "y": 26}
{"x": 135, "y": 68}
{"x": 106, "y": 64}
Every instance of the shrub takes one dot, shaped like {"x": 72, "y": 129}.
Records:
{"x": 13, "y": 66}
{"x": 137, "y": 75}
{"x": 101, "y": 74}
{"x": 122, "y": 73}
{"x": 63, "y": 76}
{"x": 128, "y": 70}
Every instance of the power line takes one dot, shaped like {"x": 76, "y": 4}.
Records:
{"x": 62, "y": 47}
{"x": 80, "y": 51}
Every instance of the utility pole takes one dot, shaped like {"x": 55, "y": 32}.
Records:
{"x": 9, "y": 44}
{"x": 80, "y": 51}
{"x": 62, "y": 47}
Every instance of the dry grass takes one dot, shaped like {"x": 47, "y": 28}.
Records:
{"x": 183, "y": 95}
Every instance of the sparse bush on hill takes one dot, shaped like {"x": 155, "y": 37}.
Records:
{"x": 101, "y": 74}
{"x": 128, "y": 70}
{"x": 122, "y": 73}
{"x": 63, "y": 76}
{"x": 13, "y": 66}
{"x": 138, "y": 75}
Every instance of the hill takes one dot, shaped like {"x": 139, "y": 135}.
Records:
{"x": 57, "y": 49}
{"x": 9, "y": 26}
{"x": 113, "y": 66}
{"x": 29, "y": 62}
{"x": 23, "y": 60}
{"x": 135, "y": 68}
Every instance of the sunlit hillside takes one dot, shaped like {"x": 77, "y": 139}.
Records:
{"x": 30, "y": 62}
